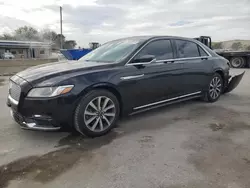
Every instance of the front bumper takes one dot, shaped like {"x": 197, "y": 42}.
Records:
{"x": 37, "y": 123}
{"x": 43, "y": 114}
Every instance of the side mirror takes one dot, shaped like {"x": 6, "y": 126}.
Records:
{"x": 146, "y": 59}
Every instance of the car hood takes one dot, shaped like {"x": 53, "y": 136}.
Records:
{"x": 57, "y": 68}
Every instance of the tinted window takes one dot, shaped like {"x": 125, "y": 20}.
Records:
{"x": 186, "y": 49}
{"x": 161, "y": 49}
{"x": 202, "y": 52}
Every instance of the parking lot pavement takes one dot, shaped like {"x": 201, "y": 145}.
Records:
{"x": 192, "y": 145}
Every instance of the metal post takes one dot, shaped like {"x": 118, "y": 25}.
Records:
{"x": 61, "y": 41}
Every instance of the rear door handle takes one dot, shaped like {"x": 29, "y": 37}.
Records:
{"x": 132, "y": 77}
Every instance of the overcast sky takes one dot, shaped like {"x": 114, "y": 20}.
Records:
{"x": 103, "y": 20}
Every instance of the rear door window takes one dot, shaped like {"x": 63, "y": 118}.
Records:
{"x": 186, "y": 49}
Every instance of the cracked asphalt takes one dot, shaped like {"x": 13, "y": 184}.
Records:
{"x": 192, "y": 145}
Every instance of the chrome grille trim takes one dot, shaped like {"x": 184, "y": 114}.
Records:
{"x": 14, "y": 91}
{"x": 13, "y": 100}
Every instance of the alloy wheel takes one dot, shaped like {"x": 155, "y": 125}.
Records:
{"x": 99, "y": 114}
{"x": 215, "y": 87}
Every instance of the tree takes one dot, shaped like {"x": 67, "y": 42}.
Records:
{"x": 69, "y": 44}
{"x": 48, "y": 35}
{"x": 248, "y": 48}
{"x": 26, "y": 33}
{"x": 236, "y": 46}
{"x": 51, "y": 37}
{"x": 6, "y": 36}
{"x": 217, "y": 45}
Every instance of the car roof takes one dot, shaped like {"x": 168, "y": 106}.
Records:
{"x": 172, "y": 37}
{"x": 150, "y": 37}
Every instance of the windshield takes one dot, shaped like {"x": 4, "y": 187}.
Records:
{"x": 113, "y": 51}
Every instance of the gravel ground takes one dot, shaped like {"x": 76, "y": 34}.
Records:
{"x": 192, "y": 145}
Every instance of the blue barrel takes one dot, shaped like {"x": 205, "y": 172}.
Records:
{"x": 75, "y": 54}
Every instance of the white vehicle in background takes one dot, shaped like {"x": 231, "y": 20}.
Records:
{"x": 8, "y": 55}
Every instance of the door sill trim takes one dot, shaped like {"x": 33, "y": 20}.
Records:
{"x": 166, "y": 100}
{"x": 165, "y": 104}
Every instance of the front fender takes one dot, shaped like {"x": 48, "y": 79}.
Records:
{"x": 233, "y": 82}
{"x": 99, "y": 85}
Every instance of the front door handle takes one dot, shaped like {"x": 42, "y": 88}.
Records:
{"x": 132, "y": 77}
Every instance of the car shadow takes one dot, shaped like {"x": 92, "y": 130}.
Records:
{"x": 154, "y": 118}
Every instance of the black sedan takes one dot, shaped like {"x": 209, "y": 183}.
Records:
{"x": 124, "y": 76}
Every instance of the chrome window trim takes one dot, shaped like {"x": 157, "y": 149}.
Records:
{"x": 147, "y": 63}
{"x": 166, "y": 100}
{"x": 169, "y": 60}
{"x": 182, "y": 59}
{"x": 166, "y": 60}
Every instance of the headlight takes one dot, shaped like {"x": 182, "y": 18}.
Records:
{"x": 50, "y": 91}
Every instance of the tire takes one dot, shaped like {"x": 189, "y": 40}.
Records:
{"x": 97, "y": 113}
{"x": 248, "y": 62}
{"x": 214, "y": 90}
{"x": 237, "y": 62}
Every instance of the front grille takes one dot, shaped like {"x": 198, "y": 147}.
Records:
{"x": 14, "y": 91}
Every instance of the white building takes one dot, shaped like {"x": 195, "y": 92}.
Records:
{"x": 26, "y": 49}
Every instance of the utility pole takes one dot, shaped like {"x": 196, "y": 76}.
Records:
{"x": 61, "y": 41}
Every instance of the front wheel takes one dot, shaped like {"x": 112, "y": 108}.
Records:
{"x": 97, "y": 113}
{"x": 214, "y": 89}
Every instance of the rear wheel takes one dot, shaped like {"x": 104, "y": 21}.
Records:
{"x": 238, "y": 62}
{"x": 97, "y": 113}
{"x": 214, "y": 89}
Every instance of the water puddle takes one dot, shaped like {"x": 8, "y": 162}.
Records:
{"x": 45, "y": 168}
